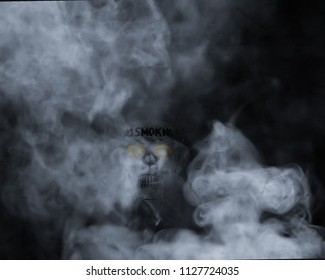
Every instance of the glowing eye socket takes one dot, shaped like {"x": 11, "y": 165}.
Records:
{"x": 136, "y": 150}
{"x": 162, "y": 150}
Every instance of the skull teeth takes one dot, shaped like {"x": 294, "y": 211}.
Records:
{"x": 149, "y": 180}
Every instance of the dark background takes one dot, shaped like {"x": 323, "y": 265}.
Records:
{"x": 271, "y": 86}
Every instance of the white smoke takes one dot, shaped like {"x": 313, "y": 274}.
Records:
{"x": 69, "y": 68}
{"x": 232, "y": 191}
{"x": 72, "y": 67}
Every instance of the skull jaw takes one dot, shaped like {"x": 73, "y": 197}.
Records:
{"x": 150, "y": 186}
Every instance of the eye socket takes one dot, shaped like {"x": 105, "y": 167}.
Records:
{"x": 162, "y": 150}
{"x": 136, "y": 150}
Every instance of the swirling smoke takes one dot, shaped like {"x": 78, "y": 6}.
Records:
{"x": 74, "y": 75}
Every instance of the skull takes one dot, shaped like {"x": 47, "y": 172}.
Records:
{"x": 162, "y": 161}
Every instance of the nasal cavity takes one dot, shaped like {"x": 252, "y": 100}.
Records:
{"x": 149, "y": 159}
